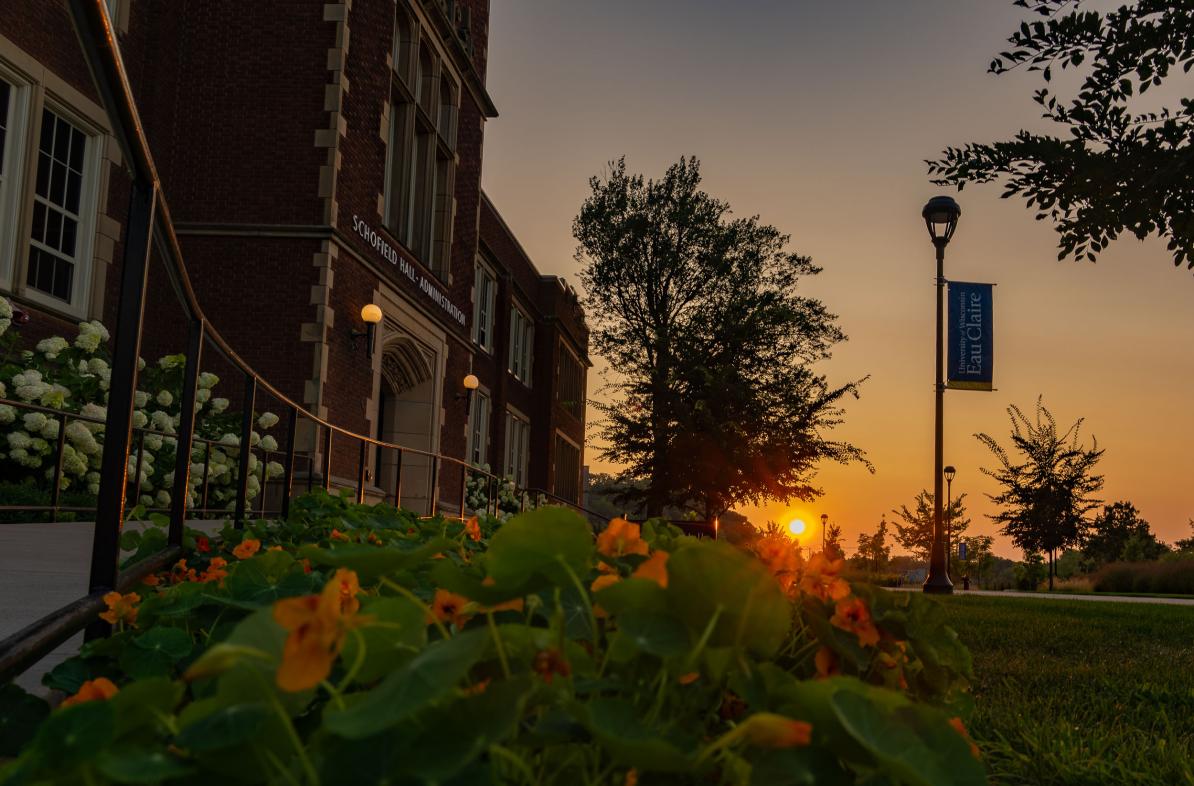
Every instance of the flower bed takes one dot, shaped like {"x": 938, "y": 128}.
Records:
{"x": 359, "y": 645}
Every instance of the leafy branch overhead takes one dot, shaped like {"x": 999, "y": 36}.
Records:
{"x": 1119, "y": 168}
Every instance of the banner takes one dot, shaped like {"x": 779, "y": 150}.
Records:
{"x": 970, "y": 337}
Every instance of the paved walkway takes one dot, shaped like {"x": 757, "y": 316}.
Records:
{"x": 1062, "y": 596}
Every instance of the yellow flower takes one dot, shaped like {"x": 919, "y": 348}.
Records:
{"x": 449, "y": 607}
{"x": 246, "y": 548}
{"x": 768, "y": 730}
{"x": 654, "y": 569}
{"x": 473, "y": 528}
{"x": 620, "y": 538}
{"x": 852, "y": 615}
{"x": 98, "y": 689}
{"x": 121, "y": 608}
{"x": 316, "y": 626}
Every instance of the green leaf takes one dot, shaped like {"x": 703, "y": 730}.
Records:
{"x": 268, "y": 578}
{"x": 20, "y": 715}
{"x": 430, "y": 675}
{"x": 223, "y": 728}
{"x": 397, "y": 629}
{"x": 549, "y": 543}
{"x": 75, "y": 734}
{"x": 68, "y": 676}
{"x": 143, "y": 704}
{"x": 658, "y": 634}
{"x": 130, "y": 765}
{"x": 708, "y": 578}
{"x": 154, "y": 653}
{"x": 617, "y": 725}
{"x": 373, "y": 562}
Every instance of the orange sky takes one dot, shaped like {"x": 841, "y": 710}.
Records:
{"x": 817, "y": 116}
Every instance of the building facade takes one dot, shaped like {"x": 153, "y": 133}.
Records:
{"x": 315, "y": 161}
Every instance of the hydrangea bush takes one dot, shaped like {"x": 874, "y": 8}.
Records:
{"x": 362, "y": 645}
{"x": 74, "y": 376}
{"x": 510, "y": 499}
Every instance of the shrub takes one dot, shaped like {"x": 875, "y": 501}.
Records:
{"x": 1166, "y": 576}
{"x": 359, "y": 645}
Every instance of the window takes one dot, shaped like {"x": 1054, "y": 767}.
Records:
{"x": 484, "y": 297}
{"x": 570, "y": 390}
{"x": 60, "y": 221}
{"x": 10, "y": 157}
{"x": 522, "y": 345}
{"x": 567, "y": 468}
{"x": 421, "y": 158}
{"x": 518, "y": 448}
{"x": 478, "y": 429}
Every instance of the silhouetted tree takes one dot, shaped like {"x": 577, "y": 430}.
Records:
{"x": 978, "y": 557}
{"x": 1114, "y": 170}
{"x": 916, "y": 532}
{"x": 710, "y": 345}
{"x": 1186, "y": 544}
{"x": 873, "y": 551}
{"x": 1118, "y": 533}
{"x": 833, "y": 541}
{"x": 1046, "y": 491}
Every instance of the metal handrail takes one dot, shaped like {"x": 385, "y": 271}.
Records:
{"x": 149, "y": 227}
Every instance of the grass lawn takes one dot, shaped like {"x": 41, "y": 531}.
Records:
{"x": 1077, "y": 692}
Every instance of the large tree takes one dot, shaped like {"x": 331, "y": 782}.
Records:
{"x": 914, "y": 526}
{"x": 1119, "y": 533}
{"x": 1047, "y": 480}
{"x": 1118, "y": 167}
{"x": 711, "y": 396}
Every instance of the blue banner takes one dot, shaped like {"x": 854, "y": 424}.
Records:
{"x": 971, "y": 339}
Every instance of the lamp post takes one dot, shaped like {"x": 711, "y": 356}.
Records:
{"x": 824, "y": 523}
{"x": 941, "y": 218}
{"x": 949, "y": 473}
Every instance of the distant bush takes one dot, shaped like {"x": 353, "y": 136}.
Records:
{"x": 1169, "y": 576}
{"x": 878, "y": 579}
{"x": 1077, "y": 584}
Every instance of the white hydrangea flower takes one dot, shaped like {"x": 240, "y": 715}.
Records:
{"x": 5, "y": 315}
{"x": 34, "y": 421}
{"x": 269, "y": 443}
{"x": 145, "y": 500}
{"x": 50, "y": 429}
{"x": 81, "y": 437}
{"x": 98, "y": 412}
{"x": 253, "y": 484}
{"x": 93, "y": 488}
{"x": 230, "y": 440}
{"x": 99, "y": 367}
{"x": 208, "y": 380}
{"x": 7, "y": 414}
{"x": 54, "y": 396}
{"x": 218, "y": 405}
{"x": 162, "y": 421}
{"x": 72, "y": 462}
{"x": 3, "y": 391}
{"x": 90, "y": 337}
{"x": 254, "y": 438}
{"x": 50, "y": 347}
{"x": 140, "y": 364}
{"x": 140, "y": 399}
{"x": 19, "y": 440}
{"x": 163, "y": 499}
{"x": 165, "y": 398}
{"x": 140, "y": 418}
{"x": 153, "y": 441}
{"x": 267, "y": 420}
{"x": 202, "y": 396}
{"x": 253, "y": 463}
{"x": 274, "y": 470}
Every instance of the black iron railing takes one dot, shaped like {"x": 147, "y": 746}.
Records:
{"x": 149, "y": 231}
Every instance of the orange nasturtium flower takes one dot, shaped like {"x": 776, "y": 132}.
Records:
{"x": 689, "y": 678}
{"x": 449, "y": 607}
{"x": 180, "y": 572}
{"x": 473, "y": 528}
{"x": 152, "y": 580}
{"x": 620, "y": 538}
{"x": 827, "y": 663}
{"x": 98, "y": 689}
{"x": 246, "y": 548}
{"x": 550, "y": 662}
{"x": 852, "y": 615}
{"x": 215, "y": 570}
{"x": 316, "y": 626}
{"x": 121, "y": 608}
{"x": 960, "y": 728}
{"x": 338, "y": 535}
{"x": 780, "y": 556}
{"x": 769, "y": 730}
{"x": 822, "y": 578}
{"x": 654, "y": 569}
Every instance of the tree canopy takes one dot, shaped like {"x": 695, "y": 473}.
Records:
{"x": 1118, "y": 167}
{"x": 1047, "y": 480}
{"x": 1119, "y": 533}
{"x": 712, "y": 396}
{"x": 914, "y": 527}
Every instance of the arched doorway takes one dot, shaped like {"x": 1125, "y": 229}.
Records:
{"x": 407, "y": 416}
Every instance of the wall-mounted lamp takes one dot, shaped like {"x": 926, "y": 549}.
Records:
{"x": 370, "y": 315}
{"x": 470, "y": 384}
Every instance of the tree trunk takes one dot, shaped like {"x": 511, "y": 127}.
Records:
{"x": 1051, "y": 569}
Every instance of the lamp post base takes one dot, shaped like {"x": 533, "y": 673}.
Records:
{"x": 938, "y": 585}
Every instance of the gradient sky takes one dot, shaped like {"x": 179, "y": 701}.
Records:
{"x": 817, "y": 115}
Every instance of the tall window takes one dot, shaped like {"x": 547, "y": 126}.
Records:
{"x": 518, "y": 448}
{"x": 522, "y": 345}
{"x": 420, "y": 177}
{"x": 9, "y": 169}
{"x": 570, "y": 391}
{"x": 484, "y": 300}
{"x": 478, "y": 429}
{"x": 59, "y": 223}
{"x": 567, "y": 468}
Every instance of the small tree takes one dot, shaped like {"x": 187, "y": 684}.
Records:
{"x": 978, "y": 556}
{"x": 833, "y": 541}
{"x": 1046, "y": 492}
{"x": 1186, "y": 545}
{"x": 915, "y": 533}
{"x": 873, "y": 551}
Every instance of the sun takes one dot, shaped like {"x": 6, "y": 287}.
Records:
{"x": 796, "y": 526}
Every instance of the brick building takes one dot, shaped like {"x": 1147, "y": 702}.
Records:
{"x": 315, "y": 161}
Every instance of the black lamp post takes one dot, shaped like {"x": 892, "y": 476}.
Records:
{"x": 824, "y": 523}
{"x": 941, "y": 217}
{"x": 949, "y": 473}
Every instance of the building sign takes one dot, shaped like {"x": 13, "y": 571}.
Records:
{"x": 428, "y": 286}
{"x": 970, "y": 339}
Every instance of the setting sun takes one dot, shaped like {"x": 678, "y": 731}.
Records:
{"x": 796, "y": 526}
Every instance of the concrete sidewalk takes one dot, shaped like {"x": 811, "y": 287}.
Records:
{"x": 1061, "y": 596}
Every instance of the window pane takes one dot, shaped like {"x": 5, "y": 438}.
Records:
{"x": 56, "y": 207}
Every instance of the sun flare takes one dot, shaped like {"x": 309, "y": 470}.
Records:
{"x": 796, "y": 526}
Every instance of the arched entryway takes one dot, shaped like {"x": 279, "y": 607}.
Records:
{"x": 407, "y": 415}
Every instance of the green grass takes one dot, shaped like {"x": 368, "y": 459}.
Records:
{"x": 1079, "y": 692}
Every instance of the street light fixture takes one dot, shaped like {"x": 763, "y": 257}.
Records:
{"x": 949, "y": 473}
{"x": 941, "y": 218}
{"x": 824, "y": 523}
{"x": 370, "y": 315}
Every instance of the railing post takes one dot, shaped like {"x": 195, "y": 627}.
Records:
{"x": 434, "y": 485}
{"x": 361, "y": 472}
{"x": 186, "y": 433}
{"x": 398, "y": 481}
{"x": 246, "y": 449}
{"x": 56, "y": 492}
{"x": 327, "y": 458}
{"x": 118, "y": 425}
{"x": 288, "y": 473}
